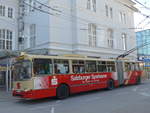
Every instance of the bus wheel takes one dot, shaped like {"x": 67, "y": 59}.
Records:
{"x": 138, "y": 80}
{"x": 63, "y": 91}
{"x": 110, "y": 84}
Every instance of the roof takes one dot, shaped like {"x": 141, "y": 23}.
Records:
{"x": 130, "y": 4}
{"x": 69, "y": 57}
{"x": 7, "y": 54}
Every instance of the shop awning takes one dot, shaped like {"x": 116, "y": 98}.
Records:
{"x": 7, "y": 54}
{"x": 3, "y": 68}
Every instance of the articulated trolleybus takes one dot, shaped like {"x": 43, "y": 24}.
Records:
{"x": 40, "y": 76}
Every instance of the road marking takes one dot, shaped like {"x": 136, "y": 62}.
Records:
{"x": 57, "y": 103}
{"x": 38, "y": 108}
{"x": 144, "y": 89}
{"x": 135, "y": 89}
{"x": 145, "y": 94}
{"x": 92, "y": 99}
{"x": 52, "y": 109}
{"x": 122, "y": 93}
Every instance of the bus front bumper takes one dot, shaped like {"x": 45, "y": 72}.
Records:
{"x": 35, "y": 94}
{"x": 23, "y": 94}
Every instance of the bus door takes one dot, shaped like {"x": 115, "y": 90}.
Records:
{"x": 120, "y": 73}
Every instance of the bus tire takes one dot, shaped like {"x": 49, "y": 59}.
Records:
{"x": 138, "y": 80}
{"x": 110, "y": 84}
{"x": 62, "y": 91}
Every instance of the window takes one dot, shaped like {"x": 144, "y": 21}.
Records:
{"x": 10, "y": 12}
{"x": 32, "y": 6}
{"x": 111, "y": 12}
{"x": 91, "y": 66}
{"x": 32, "y": 35}
{"x": 106, "y": 9}
{"x": 6, "y": 39}
{"x": 124, "y": 41}
{"x": 94, "y": 5}
{"x": 78, "y": 66}
{"x": 137, "y": 67}
{"x": 1, "y": 44}
{"x": 42, "y": 67}
{"x": 61, "y": 66}
{"x": 91, "y": 5}
{"x": 110, "y": 66}
{"x": 101, "y": 66}
{"x": 92, "y": 34}
{"x": 132, "y": 66}
{"x": 127, "y": 67}
{"x": 122, "y": 17}
{"x": 2, "y": 10}
{"x": 22, "y": 70}
{"x": 110, "y": 38}
{"x": 104, "y": 66}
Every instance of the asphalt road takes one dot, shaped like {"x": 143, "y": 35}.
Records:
{"x": 131, "y": 99}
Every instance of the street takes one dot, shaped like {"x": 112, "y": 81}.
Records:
{"x": 131, "y": 99}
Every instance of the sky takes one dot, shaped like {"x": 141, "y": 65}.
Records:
{"x": 140, "y": 23}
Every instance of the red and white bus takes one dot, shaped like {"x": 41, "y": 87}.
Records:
{"x": 40, "y": 76}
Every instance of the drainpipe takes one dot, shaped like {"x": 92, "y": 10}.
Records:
{"x": 7, "y": 74}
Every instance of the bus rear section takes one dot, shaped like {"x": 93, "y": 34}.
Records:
{"x": 56, "y": 76}
{"x": 128, "y": 72}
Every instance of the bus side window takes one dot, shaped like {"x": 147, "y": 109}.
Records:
{"x": 42, "y": 66}
{"x": 137, "y": 66}
{"x": 91, "y": 66}
{"x": 110, "y": 66}
{"x": 102, "y": 66}
{"x": 132, "y": 66}
{"x": 141, "y": 66}
{"x": 78, "y": 66}
{"x": 127, "y": 67}
{"x": 61, "y": 66}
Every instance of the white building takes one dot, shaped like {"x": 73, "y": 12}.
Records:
{"x": 101, "y": 28}
{"x": 8, "y": 24}
{"x": 8, "y": 35}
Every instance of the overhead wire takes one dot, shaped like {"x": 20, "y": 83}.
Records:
{"x": 53, "y": 15}
{"x": 146, "y": 16}
{"x": 142, "y": 21}
{"x": 46, "y": 12}
{"x": 148, "y": 8}
{"x": 148, "y": 23}
{"x": 132, "y": 50}
{"x": 78, "y": 18}
{"x": 47, "y": 6}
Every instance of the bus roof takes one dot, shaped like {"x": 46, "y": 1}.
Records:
{"x": 70, "y": 57}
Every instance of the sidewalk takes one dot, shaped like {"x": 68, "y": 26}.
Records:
{"x": 4, "y": 95}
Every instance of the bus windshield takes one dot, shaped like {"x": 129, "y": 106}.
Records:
{"x": 22, "y": 70}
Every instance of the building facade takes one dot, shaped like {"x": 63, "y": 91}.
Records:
{"x": 143, "y": 53}
{"x": 8, "y": 24}
{"x": 143, "y": 37}
{"x": 96, "y": 28}
{"x": 8, "y": 34}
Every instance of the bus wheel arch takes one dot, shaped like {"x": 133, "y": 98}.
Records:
{"x": 62, "y": 91}
{"x": 110, "y": 84}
